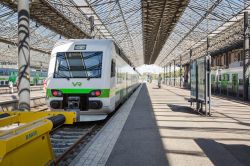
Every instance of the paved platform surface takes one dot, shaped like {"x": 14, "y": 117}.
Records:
{"x": 159, "y": 128}
{"x": 14, "y": 96}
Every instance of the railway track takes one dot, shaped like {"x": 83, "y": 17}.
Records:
{"x": 4, "y": 90}
{"x": 37, "y": 104}
{"x": 67, "y": 141}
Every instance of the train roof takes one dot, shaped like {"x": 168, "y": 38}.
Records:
{"x": 96, "y": 41}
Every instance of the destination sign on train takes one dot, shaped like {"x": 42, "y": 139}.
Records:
{"x": 80, "y": 47}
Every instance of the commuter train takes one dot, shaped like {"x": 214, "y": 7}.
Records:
{"x": 228, "y": 82}
{"x": 90, "y": 77}
{"x": 10, "y": 74}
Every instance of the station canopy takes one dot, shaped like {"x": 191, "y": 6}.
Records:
{"x": 147, "y": 31}
{"x": 221, "y": 21}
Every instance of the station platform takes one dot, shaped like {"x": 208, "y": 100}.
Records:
{"x": 157, "y": 127}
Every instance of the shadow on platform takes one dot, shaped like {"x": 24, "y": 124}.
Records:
{"x": 139, "y": 142}
{"x": 224, "y": 154}
{"x": 180, "y": 108}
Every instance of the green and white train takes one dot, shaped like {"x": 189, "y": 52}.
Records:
{"x": 90, "y": 77}
{"x": 228, "y": 82}
{"x": 10, "y": 74}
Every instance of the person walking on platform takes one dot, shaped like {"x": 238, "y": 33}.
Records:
{"x": 11, "y": 87}
{"x": 159, "y": 81}
{"x": 44, "y": 85}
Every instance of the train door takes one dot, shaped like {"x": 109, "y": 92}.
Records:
{"x": 234, "y": 84}
{"x": 219, "y": 83}
{"x": 213, "y": 83}
{"x": 12, "y": 77}
{"x": 113, "y": 82}
{"x": 224, "y": 83}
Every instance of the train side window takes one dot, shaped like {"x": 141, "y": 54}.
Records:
{"x": 113, "y": 66}
{"x": 241, "y": 82}
{"x": 219, "y": 77}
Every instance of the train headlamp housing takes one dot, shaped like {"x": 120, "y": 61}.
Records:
{"x": 56, "y": 93}
{"x": 95, "y": 93}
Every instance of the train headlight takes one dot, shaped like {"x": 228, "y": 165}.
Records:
{"x": 56, "y": 93}
{"x": 95, "y": 93}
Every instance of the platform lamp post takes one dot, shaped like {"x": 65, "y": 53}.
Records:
{"x": 246, "y": 59}
{"x": 23, "y": 55}
{"x": 190, "y": 61}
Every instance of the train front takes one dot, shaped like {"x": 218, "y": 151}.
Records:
{"x": 75, "y": 80}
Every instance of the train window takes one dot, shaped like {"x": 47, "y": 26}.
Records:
{"x": 113, "y": 66}
{"x": 33, "y": 73}
{"x": 78, "y": 65}
{"x": 226, "y": 77}
{"x": 240, "y": 81}
{"x": 2, "y": 82}
{"x": 219, "y": 77}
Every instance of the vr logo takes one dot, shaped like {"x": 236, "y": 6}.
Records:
{"x": 76, "y": 84}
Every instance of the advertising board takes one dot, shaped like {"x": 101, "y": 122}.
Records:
{"x": 201, "y": 78}
{"x": 193, "y": 79}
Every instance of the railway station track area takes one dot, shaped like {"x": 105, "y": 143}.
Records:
{"x": 6, "y": 90}
{"x": 67, "y": 141}
{"x": 37, "y": 104}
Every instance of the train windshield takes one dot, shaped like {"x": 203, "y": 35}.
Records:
{"x": 78, "y": 65}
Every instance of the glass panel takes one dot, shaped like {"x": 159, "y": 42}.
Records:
{"x": 78, "y": 65}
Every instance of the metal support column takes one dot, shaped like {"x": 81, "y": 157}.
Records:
{"x": 208, "y": 70}
{"x": 164, "y": 75}
{"x": 174, "y": 73}
{"x": 190, "y": 61}
{"x": 23, "y": 55}
{"x": 246, "y": 60}
{"x": 181, "y": 73}
{"x": 92, "y": 25}
{"x": 170, "y": 78}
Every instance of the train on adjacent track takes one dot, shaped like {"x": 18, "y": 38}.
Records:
{"x": 229, "y": 81}
{"x": 89, "y": 76}
{"x": 10, "y": 74}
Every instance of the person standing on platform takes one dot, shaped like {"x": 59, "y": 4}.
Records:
{"x": 11, "y": 87}
{"x": 44, "y": 85}
{"x": 159, "y": 81}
